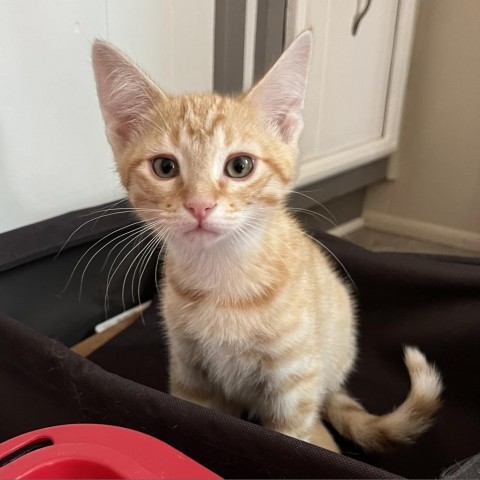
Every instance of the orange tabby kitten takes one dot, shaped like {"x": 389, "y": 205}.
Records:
{"x": 256, "y": 316}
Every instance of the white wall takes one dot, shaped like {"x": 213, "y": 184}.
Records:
{"x": 53, "y": 154}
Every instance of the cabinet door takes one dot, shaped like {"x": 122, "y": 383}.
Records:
{"x": 354, "y": 81}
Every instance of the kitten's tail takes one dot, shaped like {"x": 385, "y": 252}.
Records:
{"x": 412, "y": 417}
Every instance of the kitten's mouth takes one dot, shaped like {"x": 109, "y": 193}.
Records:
{"x": 200, "y": 230}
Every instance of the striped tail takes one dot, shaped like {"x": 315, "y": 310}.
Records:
{"x": 402, "y": 425}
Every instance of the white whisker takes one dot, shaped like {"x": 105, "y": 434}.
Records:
{"x": 149, "y": 229}
{"x": 85, "y": 223}
{"x": 134, "y": 236}
{"x": 155, "y": 239}
{"x": 316, "y": 202}
{"x": 314, "y": 214}
{"x": 160, "y": 242}
{"x": 142, "y": 266}
{"x": 93, "y": 246}
{"x": 140, "y": 228}
{"x": 103, "y": 209}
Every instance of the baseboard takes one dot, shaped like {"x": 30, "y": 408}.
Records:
{"x": 429, "y": 232}
{"x": 347, "y": 228}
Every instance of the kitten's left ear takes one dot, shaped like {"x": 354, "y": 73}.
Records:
{"x": 280, "y": 93}
{"x": 125, "y": 93}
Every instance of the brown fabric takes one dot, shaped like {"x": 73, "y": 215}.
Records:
{"x": 44, "y": 384}
{"x": 431, "y": 302}
{"x": 40, "y": 258}
{"x": 41, "y": 239}
{"x": 468, "y": 468}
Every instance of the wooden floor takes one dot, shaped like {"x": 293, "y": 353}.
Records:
{"x": 386, "y": 242}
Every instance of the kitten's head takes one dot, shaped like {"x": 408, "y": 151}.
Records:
{"x": 204, "y": 168}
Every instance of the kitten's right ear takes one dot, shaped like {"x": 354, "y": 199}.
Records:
{"x": 125, "y": 93}
{"x": 279, "y": 95}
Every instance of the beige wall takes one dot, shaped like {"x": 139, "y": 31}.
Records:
{"x": 437, "y": 191}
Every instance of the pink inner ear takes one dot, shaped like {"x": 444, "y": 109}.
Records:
{"x": 280, "y": 94}
{"x": 125, "y": 93}
{"x": 288, "y": 125}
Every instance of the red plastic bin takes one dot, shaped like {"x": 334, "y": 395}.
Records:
{"x": 94, "y": 451}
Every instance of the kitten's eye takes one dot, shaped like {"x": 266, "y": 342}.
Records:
{"x": 165, "y": 167}
{"x": 239, "y": 167}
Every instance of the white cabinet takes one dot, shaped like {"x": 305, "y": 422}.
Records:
{"x": 356, "y": 84}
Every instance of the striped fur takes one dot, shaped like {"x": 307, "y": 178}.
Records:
{"x": 256, "y": 316}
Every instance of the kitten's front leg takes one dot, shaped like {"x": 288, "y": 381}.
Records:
{"x": 321, "y": 437}
{"x": 188, "y": 383}
{"x": 298, "y": 416}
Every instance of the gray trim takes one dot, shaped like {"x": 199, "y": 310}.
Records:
{"x": 269, "y": 35}
{"x": 229, "y": 45}
{"x": 333, "y": 212}
{"x": 341, "y": 184}
{"x": 339, "y": 198}
{"x": 230, "y": 39}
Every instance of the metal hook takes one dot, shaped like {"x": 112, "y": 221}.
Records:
{"x": 359, "y": 15}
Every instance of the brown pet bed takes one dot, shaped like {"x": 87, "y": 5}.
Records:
{"x": 432, "y": 302}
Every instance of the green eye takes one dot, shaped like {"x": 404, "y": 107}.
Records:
{"x": 165, "y": 167}
{"x": 239, "y": 167}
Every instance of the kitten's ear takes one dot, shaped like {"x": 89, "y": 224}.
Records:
{"x": 125, "y": 93}
{"x": 280, "y": 93}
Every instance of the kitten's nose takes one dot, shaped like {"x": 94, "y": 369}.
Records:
{"x": 200, "y": 208}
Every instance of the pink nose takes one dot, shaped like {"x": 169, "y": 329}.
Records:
{"x": 200, "y": 208}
